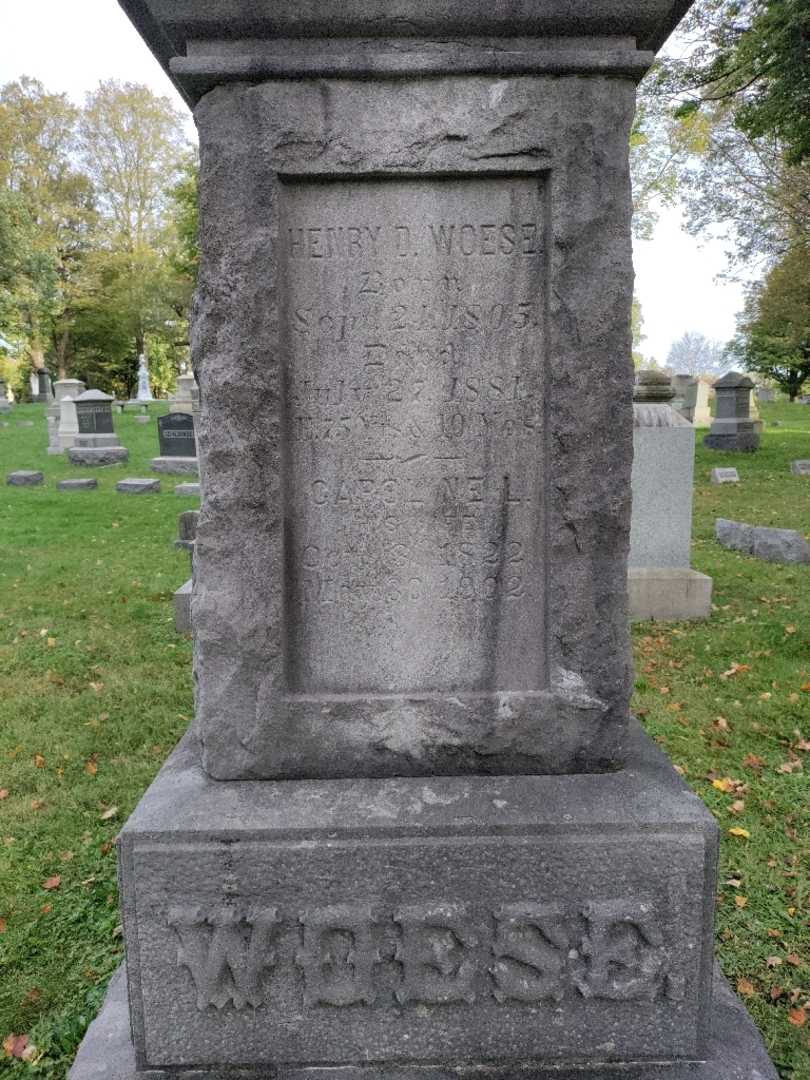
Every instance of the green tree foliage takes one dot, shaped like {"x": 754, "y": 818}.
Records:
{"x": 93, "y": 263}
{"x": 773, "y": 339}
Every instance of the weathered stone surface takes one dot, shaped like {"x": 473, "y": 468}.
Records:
{"x": 175, "y": 465}
{"x": 182, "y": 608}
{"x": 187, "y": 529}
{"x": 773, "y": 545}
{"x": 662, "y": 475}
{"x": 187, "y": 489}
{"x": 136, "y": 486}
{"x": 732, "y": 427}
{"x": 25, "y": 478}
{"x": 735, "y": 1052}
{"x": 800, "y": 468}
{"x": 450, "y": 594}
{"x": 669, "y": 594}
{"x": 653, "y": 387}
{"x": 85, "y": 484}
{"x": 537, "y": 918}
{"x": 725, "y": 476}
{"x": 103, "y": 455}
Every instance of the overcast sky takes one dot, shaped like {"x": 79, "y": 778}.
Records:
{"x": 70, "y": 47}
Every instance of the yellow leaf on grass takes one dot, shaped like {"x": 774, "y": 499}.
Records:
{"x": 745, "y": 987}
{"x": 724, "y": 784}
{"x": 740, "y": 901}
{"x": 91, "y": 767}
{"x": 737, "y": 806}
{"x": 790, "y": 629}
{"x": 3, "y": 793}
{"x": 39, "y": 761}
{"x": 743, "y": 834}
{"x": 797, "y": 1017}
{"x": 110, "y": 813}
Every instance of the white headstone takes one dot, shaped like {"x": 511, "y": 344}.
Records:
{"x": 725, "y": 476}
{"x": 68, "y": 423}
{"x": 144, "y": 389}
{"x": 800, "y": 468}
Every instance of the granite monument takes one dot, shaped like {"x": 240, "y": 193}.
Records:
{"x": 413, "y": 831}
{"x": 732, "y": 427}
{"x": 96, "y": 443}
{"x": 178, "y": 446}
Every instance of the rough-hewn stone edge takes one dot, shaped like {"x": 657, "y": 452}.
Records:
{"x": 311, "y": 736}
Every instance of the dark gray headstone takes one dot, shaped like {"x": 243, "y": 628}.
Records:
{"x": 762, "y": 541}
{"x": 94, "y": 413}
{"x": 25, "y": 478}
{"x": 732, "y": 427}
{"x": 138, "y": 487}
{"x": 88, "y": 484}
{"x": 176, "y": 435}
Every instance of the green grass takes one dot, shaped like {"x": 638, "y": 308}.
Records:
{"x": 95, "y": 681}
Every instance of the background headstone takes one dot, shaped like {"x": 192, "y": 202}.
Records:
{"x": 763, "y": 541}
{"x": 732, "y": 427}
{"x": 661, "y": 583}
{"x": 800, "y": 468}
{"x": 725, "y": 476}
{"x": 25, "y": 478}
{"x": 96, "y": 442}
{"x": 5, "y": 404}
{"x": 178, "y": 446}
{"x": 44, "y": 390}
{"x": 68, "y": 423}
{"x": 696, "y": 403}
{"x": 144, "y": 389}
{"x": 183, "y": 400}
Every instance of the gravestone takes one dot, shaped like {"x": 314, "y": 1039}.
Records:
{"x": 763, "y": 541}
{"x": 53, "y": 435}
{"x": 5, "y": 404}
{"x": 661, "y": 583}
{"x": 25, "y": 478}
{"x": 96, "y": 442}
{"x": 800, "y": 467}
{"x": 413, "y": 832}
{"x": 144, "y": 395}
{"x": 732, "y": 427}
{"x": 696, "y": 403}
{"x": 88, "y": 484}
{"x": 41, "y": 388}
{"x": 68, "y": 428}
{"x": 680, "y": 387}
{"x": 725, "y": 476}
{"x": 62, "y": 389}
{"x": 178, "y": 446}
{"x": 766, "y": 393}
{"x": 183, "y": 400}
{"x": 138, "y": 486}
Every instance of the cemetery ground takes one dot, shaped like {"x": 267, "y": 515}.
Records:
{"x": 95, "y": 688}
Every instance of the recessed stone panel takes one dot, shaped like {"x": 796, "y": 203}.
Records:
{"x": 415, "y": 435}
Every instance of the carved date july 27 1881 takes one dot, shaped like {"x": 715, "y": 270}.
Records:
{"x": 415, "y": 434}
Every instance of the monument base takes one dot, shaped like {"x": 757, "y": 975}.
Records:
{"x": 435, "y": 925}
{"x": 175, "y": 465}
{"x": 736, "y": 1052}
{"x": 746, "y": 441}
{"x": 668, "y": 594}
{"x": 102, "y": 455}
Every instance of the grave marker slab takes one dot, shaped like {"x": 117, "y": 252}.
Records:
{"x": 85, "y": 484}
{"x": 800, "y": 468}
{"x": 725, "y": 476}
{"x": 176, "y": 435}
{"x": 135, "y": 486}
{"x": 25, "y": 478}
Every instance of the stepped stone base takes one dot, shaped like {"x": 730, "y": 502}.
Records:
{"x": 735, "y": 1052}
{"x": 175, "y": 465}
{"x": 102, "y": 455}
{"x": 418, "y": 925}
{"x": 669, "y": 594}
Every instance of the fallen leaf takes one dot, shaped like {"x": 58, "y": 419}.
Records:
{"x": 3, "y": 793}
{"x": 725, "y": 784}
{"x": 735, "y": 669}
{"x": 774, "y": 961}
{"x": 52, "y": 882}
{"x": 740, "y": 901}
{"x": 3, "y": 926}
{"x": 37, "y": 804}
{"x": 752, "y": 761}
{"x": 774, "y": 933}
{"x": 46, "y": 909}
{"x": 91, "y": 767}
{"x": 745, "y": 987}
{"x": 797, "y": 1017}
{"x": 776, "y": 993}
{"x": 794, "y": 958}
{"x": 51, "y": 642}
{"x": 743, "y": 834}
{"x": 737, "y": 806}
{"x": 14, "y": 1045}
{"x": 97, "y": 686}
{"x": 765, "y": 697}
{"x": 33, "y": 996}
{"x": 110, "y": 813}
{"x": 66, "y": 856}
{"x": 790, "y": 629}
{"x": 39, "y": 761}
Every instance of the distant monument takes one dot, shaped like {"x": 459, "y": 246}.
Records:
{"x": 413, "y": 832}
{"x": 732, "y": 427}
{"x": 144, "y": 389}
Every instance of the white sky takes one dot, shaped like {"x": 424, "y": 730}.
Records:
{"x": 70, "y": 47}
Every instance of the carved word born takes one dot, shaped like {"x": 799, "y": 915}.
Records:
{"x": 352, "y": 954}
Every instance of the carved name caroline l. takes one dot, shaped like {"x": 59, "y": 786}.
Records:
{"x": 422, "y": 954}
{"x": 415, "y": 405}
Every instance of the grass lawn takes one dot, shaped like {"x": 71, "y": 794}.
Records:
{"x": 96, "y": 688}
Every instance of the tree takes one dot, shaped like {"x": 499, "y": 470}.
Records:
{"x": 695, "y": 354}
{"x": 773, "y": 337}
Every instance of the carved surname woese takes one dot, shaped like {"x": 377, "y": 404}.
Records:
{"x": 423, "y": 954}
